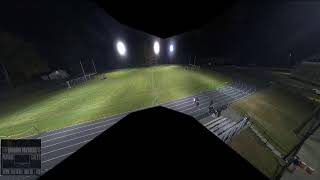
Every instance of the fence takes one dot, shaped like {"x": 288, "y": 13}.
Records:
{"x": 273, "y": 145}
{"x": 264, "y": 132}
{"x": 73, "y": 82}
{"x": 234, "y": 129}
{"x": 192, "y": 67}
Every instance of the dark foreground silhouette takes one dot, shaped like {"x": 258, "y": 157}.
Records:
{"x": 153, "y": 143}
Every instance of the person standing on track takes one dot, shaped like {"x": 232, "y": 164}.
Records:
{"x": 211, "y": 108}
{"x": 196, "y": 101}
{"x": 211, "y": 103}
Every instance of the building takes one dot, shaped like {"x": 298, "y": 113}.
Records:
{"x": 55, "y": 75}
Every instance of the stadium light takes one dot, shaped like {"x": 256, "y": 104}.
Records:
{"x": 171, "y": 48}
{"x": 156, "y": 47}
{"x": 121, "y": 48}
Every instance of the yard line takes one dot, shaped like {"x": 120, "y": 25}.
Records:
{"x": 120, "y": 116}
{"x": 179, "y": 103}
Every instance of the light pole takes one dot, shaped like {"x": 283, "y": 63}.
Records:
{"x": 121, "y": 48}
{"x": 94, "y": 66}
{"x": 83, "y": 71}
{"x": 156, "y": 47}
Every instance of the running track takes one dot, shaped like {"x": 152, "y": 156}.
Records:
{"x": 59, "y": 144}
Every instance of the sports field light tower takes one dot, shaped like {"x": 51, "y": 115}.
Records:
{"x": 171, "y": 52}
{"x": 121, "y": 48}
{"x": 156, "y": 47}
{"x": 171, "y": 48}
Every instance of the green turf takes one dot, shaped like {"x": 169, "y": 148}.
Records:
{"x": 123, "y": 90}
{"x": 252, "y": 149}
{"x": 279, "y": 112}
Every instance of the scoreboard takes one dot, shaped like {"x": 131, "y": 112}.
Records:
{"x": 21, "y": 157}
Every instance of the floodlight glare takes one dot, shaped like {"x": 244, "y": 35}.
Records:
{"x": 156, "y": 47}
{"x": 121, "y": 48}
{"x": 171, "y": 48}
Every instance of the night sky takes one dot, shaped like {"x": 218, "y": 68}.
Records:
{"x": 66, "y": 31}
{"x": 261, "y": 33}
{"x": 249, "y": 33}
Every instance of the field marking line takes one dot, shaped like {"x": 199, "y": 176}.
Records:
{"x": 200, "y": 94}
{"x": 57, "y": 157}
{"x": 107, "y": 118}
{"x": 208, "y": 95}
{"x": 181, "y": 107}
{"x": 68, "y": 146}
{"x": 232, "y": 101}
{"x": 81, "y": 142}
{"x": 59, "y": 137}
{"x": 217, "y": 102}
{"x": 212, "y": 95}
{"x": 72, "y": 139}
{"x": 213, "y": 120}
{"x": 236, "y": 98}
{"x": 220, "y": 125}
{"x": 216, "y": 123}
{"x": 91, "y": 124}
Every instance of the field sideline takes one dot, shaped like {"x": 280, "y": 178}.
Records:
{"x": 278, "y": 112}
{"x": 122, "y": 91}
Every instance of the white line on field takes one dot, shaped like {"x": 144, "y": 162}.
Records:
{"x": 80, "y": 136}
{"x": 104, "y": 125}
{"x": 105, "y": 119}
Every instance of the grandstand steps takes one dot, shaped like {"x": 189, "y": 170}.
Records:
{"x": 223, "y": 127}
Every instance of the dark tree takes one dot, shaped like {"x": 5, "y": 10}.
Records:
{"x": 19, "y": 60}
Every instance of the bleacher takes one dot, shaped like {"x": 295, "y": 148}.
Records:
{"x": 308, "y": 71}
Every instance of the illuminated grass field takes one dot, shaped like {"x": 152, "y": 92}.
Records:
{"x": 122, "y": 91}
{"x": 278, "y": 112}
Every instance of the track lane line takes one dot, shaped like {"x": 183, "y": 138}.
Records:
{"x": 72, "y": 139}
{"x": 48, "y": 160}
{"x": 91, "y": 124}
{"x": 81, "y": 142}
{"x": 59, "y": 137}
